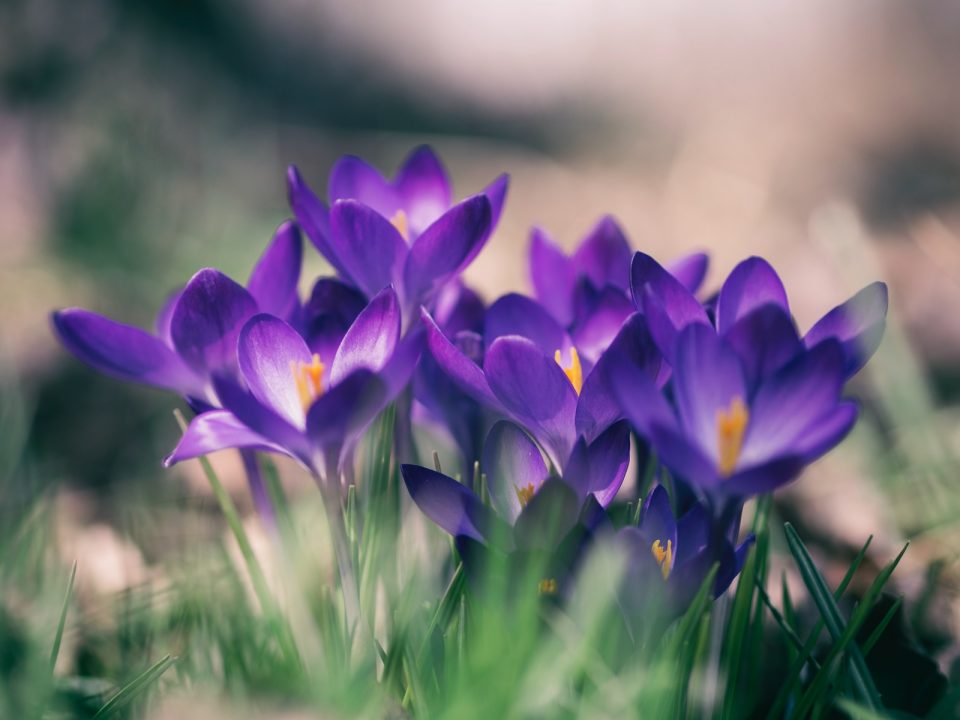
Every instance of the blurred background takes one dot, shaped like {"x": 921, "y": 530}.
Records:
{"x": 141, "y": 141}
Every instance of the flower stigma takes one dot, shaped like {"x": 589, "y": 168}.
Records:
{"x": 524, "y": 494}
{"x": 399, "y": 221}
{"x": 574, "y": 373}
{"x": 731, "y": 426}
{"x": 309, "y": 380}
{"x": 547, "y": 586}
{"x": 664, "y": 557}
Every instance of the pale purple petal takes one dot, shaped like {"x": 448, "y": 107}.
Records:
{"x": 217, "y": 430}
{"x": 463, "y": 371}
{"x": 273, "y": 282}
{"x": 751, "y": 284}
{"x": 354, "y": 179}
{"x": 371, "y": 339}
{"x": 314, "y": 219}
{"x": 553, "y": 276}
{"x": 369, "y": 247}
{"x": 599, "y": 324}
{"x": 858, "y": 324}
{"x": 423, "y": 188}
{"x": 690, "y": 270}
{"x": 515, "y": 314}
{"x": 165, "y": 315}
{"x": 512, "y": 462}
{"x": 496, "y": 192}
{"x": 604, "y": 255}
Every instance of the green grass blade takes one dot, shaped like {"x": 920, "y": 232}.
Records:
{"x": 61, "y": 623}
{"x": 881, "y": 626}
{"x": 133, "y": 689}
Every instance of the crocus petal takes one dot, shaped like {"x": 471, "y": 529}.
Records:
{"x": 792, "y": 402}
{"x": 549, "y": 515}
{"x": 599, "y": 324}
{"x": 268, "y": 349}
{"x": 683, "y": 456}
{"x": 369, "y": 247}
{"x": 328, "y": 314}
{"x": 766, "y": 339}
{"x": 764, "y": 477}
{"x": 496, "y": 192}
{"x": 463, "y": 371}
{"x": 751, "y": 284}
{"x": 858, "y": 324}
{"x": 314, "y": 218}
{"x": 707, "y": 377}
{"x": 533, "y": 388}
{"x": 449, "y": 504}
{"x": 640, "y": 399}
{"x": 207, "y": 320}
{"x": 690, "y": 270}
{"x": 459, "y": 308}
{"x": 444, "y": 248}
{"x": 514, "y": 314}
{"x": 604, "y": 255}
{"x": 124, "y": 352}
{"x": 553, "y": 276}
{"x": 371, "y": 339}
{"x": 345, "y": 409}
{"x": 398, "y": 370}
{"x": 600, "y": 467}
{"x": 423, "y": 188}
{"x": 217, "y": 430}
{"x": 828, "y": 431}
{"x": 657, "y": 521}
{"x": 273, "y": 282}
{"x": 353, "y": 179}
{"x": 165, "y": 315}
{"x": 693, "y": 534}
{"x": 512, "y": 463}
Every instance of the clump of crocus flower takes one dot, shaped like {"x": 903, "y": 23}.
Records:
{"x": 539, "y": 394}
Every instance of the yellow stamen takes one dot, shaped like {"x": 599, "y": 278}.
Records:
{"x": 574, "y": 373}
{"x": 524, "y": 494}
{"x": 663, "y": 557}
{"x": 309, "y": 380}
{"x": 547, "y": 586}
{"x": 399, "y": 221}
{"x": 731, "y": 427}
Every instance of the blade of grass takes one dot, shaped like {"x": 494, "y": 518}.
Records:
{"x": 61, "y": 623}
{"x": 133, "y": 689}
{"x": 881, "y": 626}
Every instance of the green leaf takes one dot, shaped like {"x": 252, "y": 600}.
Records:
{"x": 133, "y": 689}
{"x": 61, "y": 623}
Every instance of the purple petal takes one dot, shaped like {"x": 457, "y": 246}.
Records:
{"x": 512, "y": 462}
{"x": 858, "y": 324}
{"x": 124, "y": 352}
{"x": 496, "y": 192}
{"x": 463, "y": 371}
{"x": 514, "y": 314}
{"x": 596, "y": 328}
{"x": 344, "y": 410}
{"x": 639, "y": 398}
{"x": 602, "y": 464}
{"x": 273, "y": 282}
{"x": 331, "y": 310}
{"x": 549, "y": 515}
{"x": 764, "y": 477}
{"x": 217, "y": 430}
{"x": 766, "y": 339}
{"x": 534, "y": 389}
{"x": 370, "y": 248}
{"x": 423, "y": 189}
{"x": 459, "y": 308}
{"x": 267, "y": 349}
{"x": 683, "y": 456}
{"x": 165, "y": 315}
{"x": 553, "y": 276}
{"x": 604, "y": 255}
{"x": 707, "y": 377}
{"x": 690, "y": 270}
{"x": 449, "y": 504}
{"x": 693, "y": 534}
{"x": 371, "y": 339}
{"x": 792, "y": 402}
{"x": 207, "y": 320}
{"x": 353, "y": 179}
{"x": 657, "y": 521}
{"x": 314, "y": 219}
{"x": 751, "y": 284}
{"x": 398, "y": 370}
{"x": 444, "y": 248}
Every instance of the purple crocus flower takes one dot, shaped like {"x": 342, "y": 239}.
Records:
{"x": 405, "y": 232}
{"x": 728, "y": 438}
{"x": 290, "y": 403}
{"x": 588, "y": 292}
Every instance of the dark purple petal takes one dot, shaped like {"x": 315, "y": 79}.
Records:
{"x": 463, "y": 371}
{"x": 398, "y": 370}
{"x": 423, "y": 189}
{"x": 512, "y": 462}
{"x": 657, "y": 521}
{"x": 751, "y": 284}
{"x": 268, "y": 350}
{"x": 496, "y": 192}
{"x": 602, "y": 466}
{"x": 459, "y": 308}
{"x": 444, "y": 248}
{"x": 763, "y": 477}
{"x": 331, "y": 310}
{"x": 683, "y": 456}
{"x": 344, "y": 410}
{"x": 535, "y": 390}
{"x": 217, "y": 430}
{"x": 369, "y": 247}
{"x": 693, "y": 534}
{"x": 314, "y": 219}
{"x": 599, "y": 324}
{"x": 690, "y": 270}
{"x": 449, "y": 504}
{"x": 640, "y": 399}
{"x": 165, "y": 315}
{"x": 514, "y": 314}
{"x": 791, "y": 404}
{"x": 124, "y": 352}
{"x": 766, "y": 339}
{"x": 273, "y": 282}
{"x": 549, "y": 515}
{"x": 553, "y": 276}
{"x": 858, "y": 324}
{"x": 371, "y": 339}
{"x": 353, "y": 179}
{"x": 828, "y": 431}
{"x": 604, "y": 255}
{"x": 707, "y": 377}
{"x": 207, "y": 320}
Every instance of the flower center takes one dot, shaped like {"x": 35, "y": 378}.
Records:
{"x": 574, "y": 373}
{"x": 399, "y": 221}
{"x": 309, "y": 380}
{"x": 524, "y": 494}
{"x": 731, "y": 426}
{"x": 547, "y": 586}
{"x": 664, "y": 557}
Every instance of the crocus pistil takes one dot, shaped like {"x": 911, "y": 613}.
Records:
{"x": 663, "y": 556}
{"x": 525, "y": 493}
{"x": 574, "y": 371}
{"x": 731, "y": 427}
{"x": 399, "y": 221}
{"x": 547, "y": 586}
{"x": 308, "y": 378}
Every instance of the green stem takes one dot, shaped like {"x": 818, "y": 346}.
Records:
{"x": 338, "y": 533}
